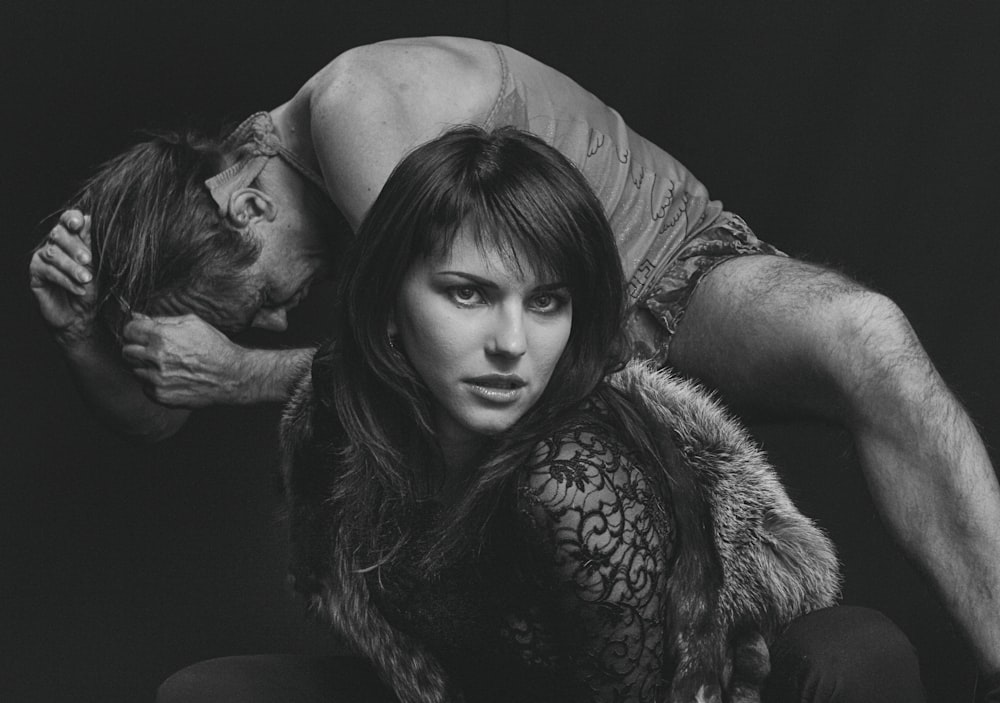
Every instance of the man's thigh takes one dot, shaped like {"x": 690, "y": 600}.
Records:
{"x": 658, "y": 312}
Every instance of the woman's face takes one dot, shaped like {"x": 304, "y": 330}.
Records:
{"x": 484, "y": 337}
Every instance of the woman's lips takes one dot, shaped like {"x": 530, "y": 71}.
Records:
{"x": 497, "y": 388}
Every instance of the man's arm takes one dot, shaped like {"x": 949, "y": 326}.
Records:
{"x": 368, "y": 108}
{"x": 116, "y": 395}
{"x": 782, "y": 336}
{"x": 187, "y": 363}
{"x": 168, "y": 365}
{"x": 62, "y": 281}
{"x": 173, "y": 365}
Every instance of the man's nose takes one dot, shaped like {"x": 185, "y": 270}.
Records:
{"x": 273, "y": 320}
{"x": 508, "y": 336}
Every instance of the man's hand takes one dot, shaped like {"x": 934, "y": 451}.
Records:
{"x": 184, "y": 361}
{"x": 62, "y": 280}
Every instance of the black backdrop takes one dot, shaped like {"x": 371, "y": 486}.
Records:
{"x": 862, "y": 134}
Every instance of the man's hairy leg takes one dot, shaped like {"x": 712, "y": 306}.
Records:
{"x": 795, "y": 340}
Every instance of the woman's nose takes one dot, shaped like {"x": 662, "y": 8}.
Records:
{"x": 272, "y": 320}
{"x": 508, "y": 338}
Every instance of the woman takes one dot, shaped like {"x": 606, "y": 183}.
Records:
{"x": 478, "y": 511}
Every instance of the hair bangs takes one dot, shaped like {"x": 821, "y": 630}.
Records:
{"x": 530, "y": 232}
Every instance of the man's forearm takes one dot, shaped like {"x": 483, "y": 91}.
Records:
{"x": 157, "y": 408}
{"x": 116, "y": 395}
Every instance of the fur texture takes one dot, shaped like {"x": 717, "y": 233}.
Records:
{"x": 775, "y": 563}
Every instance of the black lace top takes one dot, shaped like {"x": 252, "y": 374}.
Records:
{"x": 565, "y": 602}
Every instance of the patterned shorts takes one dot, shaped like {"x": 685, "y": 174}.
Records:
{"x": 653, "y": 319}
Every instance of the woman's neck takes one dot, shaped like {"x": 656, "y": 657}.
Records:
{"x": 460, "y": 458}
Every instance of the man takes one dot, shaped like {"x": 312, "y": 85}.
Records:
{"x": 770, "y": 333}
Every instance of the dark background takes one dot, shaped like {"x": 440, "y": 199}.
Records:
{"x": 862, "y": 134}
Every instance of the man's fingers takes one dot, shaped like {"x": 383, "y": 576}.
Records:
{"x": 71, "y": 243}
{"x": 55, "y": 255}
{"x": 44, "y": 273}
{"x": 136, "y": 355}
{"x": 174, "y": 320}
{"x": 85, "y": 232}
{"x": 149, "y": 387}
{"x": 139, "y": 330}
{"x": 72, "y": 220}
{"x": 151, "y": 381}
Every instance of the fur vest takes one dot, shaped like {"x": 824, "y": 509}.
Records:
{"x": 775, "y": 563}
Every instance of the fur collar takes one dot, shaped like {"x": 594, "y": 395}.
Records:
{"x": 775, "y": 563}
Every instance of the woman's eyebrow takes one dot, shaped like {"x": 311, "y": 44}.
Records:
{"x": 478, "y": 280}
{"x": 555, "y": 285}
{"x": 492, "y": 285}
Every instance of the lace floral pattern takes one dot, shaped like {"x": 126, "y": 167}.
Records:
{"x": 566, "y": 601}
{"x": 600, "y": 525}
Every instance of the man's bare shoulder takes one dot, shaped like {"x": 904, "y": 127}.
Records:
{"x": 374, "y": 104}
{"x": 431, "y": 78}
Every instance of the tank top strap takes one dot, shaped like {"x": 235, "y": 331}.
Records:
{"x": 491, "y": 116}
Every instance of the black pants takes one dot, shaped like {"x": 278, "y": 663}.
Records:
{"x": 843, "y": 655}
{"x": 836, "y": 655}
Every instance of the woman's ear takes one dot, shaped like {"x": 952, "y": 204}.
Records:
{"x": 249, "y": 205}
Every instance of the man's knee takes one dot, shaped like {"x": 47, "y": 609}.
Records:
{"x": 831, "y": 313}
{"x": 864, "y": 320}
{"x": 843, "y": 655}
{"x": 758, "y": 324}
{"x": 857, "y": 344}
{"x": 873, "y": 359}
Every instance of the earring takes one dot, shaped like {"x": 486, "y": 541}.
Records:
{"x": 392, "y": 343}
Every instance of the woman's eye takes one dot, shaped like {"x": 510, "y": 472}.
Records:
{"x": 548, "y": 302}
{"x": 465, "y": 295}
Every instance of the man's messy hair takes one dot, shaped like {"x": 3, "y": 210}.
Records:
{"x": 157, "y": 237}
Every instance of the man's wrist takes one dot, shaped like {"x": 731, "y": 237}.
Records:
{"x": 81, "y": 343}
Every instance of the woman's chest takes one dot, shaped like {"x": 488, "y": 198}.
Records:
{"x": 487, "y": 610}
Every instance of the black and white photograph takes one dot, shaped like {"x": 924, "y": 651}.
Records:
{"x": 501, "y": 352}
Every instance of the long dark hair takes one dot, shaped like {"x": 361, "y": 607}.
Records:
{"x": 513, "y": 193}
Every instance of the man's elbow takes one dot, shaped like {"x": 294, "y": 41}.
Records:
{"x": 154, "y": 430}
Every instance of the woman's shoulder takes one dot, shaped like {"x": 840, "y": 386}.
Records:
{"x": 587, "y": 461}
{"x": 587, "y": 499}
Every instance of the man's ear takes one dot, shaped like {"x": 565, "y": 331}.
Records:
{"x": 248, "y": 205}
